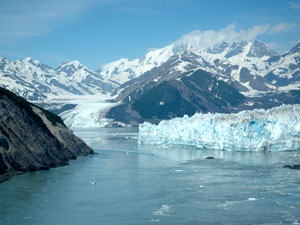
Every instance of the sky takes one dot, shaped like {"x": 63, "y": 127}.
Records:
{"x": 96, "y": 32}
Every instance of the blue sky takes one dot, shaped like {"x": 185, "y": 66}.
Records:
{"x": 96, "y": 32}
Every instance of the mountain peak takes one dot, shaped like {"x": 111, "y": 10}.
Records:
{"x": 218, "y": 48}
{"x": 27, "y": 59}
{"x": 259, "y": 49}
{"x": 75, "y": 62}
{"x": 70, "y": 66}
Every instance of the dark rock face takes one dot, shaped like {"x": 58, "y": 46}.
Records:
{"x": 294, "y": 167}
{"x": 209, "y": 157}
{"x": 196, "y": 91}
{"x": 3, "y": 167}
{"x": 259, "y": 50}
{"x": 236, "y": 48}
{"x": 32, "y": 138}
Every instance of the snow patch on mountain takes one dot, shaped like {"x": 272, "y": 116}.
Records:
{"x": 284, "y": 67}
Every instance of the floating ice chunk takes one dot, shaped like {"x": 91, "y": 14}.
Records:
{"x": 252, "y": 199}
{"x": 276, "y": 129}
{"x": 162, "y": 211}
{"x": 177, "y": 171}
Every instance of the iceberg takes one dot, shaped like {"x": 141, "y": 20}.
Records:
{"x": 276, "y": 129}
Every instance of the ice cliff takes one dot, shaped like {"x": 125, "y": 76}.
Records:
{"x": 276, "y": 129}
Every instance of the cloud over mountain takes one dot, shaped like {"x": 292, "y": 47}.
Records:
{"x": 230, "y": 34}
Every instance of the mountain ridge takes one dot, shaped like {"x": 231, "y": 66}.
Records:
{"x": 251, "y": 67}
{"x": 136, "y": 67}
{"x": 241, "y": 70}
{"x": 37, "y": 82}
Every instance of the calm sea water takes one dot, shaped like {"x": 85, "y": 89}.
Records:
{"x": 130, "y": 184}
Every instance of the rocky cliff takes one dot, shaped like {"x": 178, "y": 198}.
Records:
{"x": 32, "y": 138}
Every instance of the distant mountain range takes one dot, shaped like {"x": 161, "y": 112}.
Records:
{"x": 181, "y": 78}
{"x": 38, "y": 82}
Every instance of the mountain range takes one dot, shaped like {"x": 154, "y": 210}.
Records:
{"x": 181, "y": 78}
{"x": 243, "y": 62}
{"x": 38, "y": 82}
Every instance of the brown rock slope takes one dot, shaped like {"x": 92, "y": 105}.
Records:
{"x": 32, "y": 138}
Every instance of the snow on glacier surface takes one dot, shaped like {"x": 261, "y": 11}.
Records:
{"x": 89, "y": 111}
{"x": 276, "y": 129}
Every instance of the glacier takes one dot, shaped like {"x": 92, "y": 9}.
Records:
{"x": 89, "y": 111}
{"x": 276, "y": 129}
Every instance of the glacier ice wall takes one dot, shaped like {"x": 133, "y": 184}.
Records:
{"x": 276, "y": 129}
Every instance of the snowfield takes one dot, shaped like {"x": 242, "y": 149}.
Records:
{"x": 276, "y": 129}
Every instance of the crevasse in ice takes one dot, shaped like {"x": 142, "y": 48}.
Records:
{"x": 275, "y": 129}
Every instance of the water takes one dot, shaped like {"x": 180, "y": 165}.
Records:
{"x": 130, "y": 184}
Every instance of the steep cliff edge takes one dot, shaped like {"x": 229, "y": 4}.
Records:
{"x": 32, "y": 138}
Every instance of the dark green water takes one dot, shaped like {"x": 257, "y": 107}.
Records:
{"x": 130, "y": 184}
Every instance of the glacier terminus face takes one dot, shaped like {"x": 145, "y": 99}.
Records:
{"x": 276, "y": 129}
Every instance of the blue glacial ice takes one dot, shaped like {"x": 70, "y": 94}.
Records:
{"x": 275, "y": 129}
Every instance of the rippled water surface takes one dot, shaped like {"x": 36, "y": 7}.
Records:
{"x": 130, "y": 184}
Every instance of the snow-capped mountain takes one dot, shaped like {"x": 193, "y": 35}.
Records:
{"x": 124, "y": 70}
{"x": 257, "y": 75}
{"x": 221, "y": 58}
{"x": 238, "y": 64}
{"x": 194, "y": 91}
{"x": 37, "y": 82}
{"x": 243, "y": 66}
{"x": 250, "y": 66}
{"x": 83, "y": 76}
{"x": 285, "y": 69}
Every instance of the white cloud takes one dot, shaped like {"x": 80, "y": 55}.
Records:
{"x": 229, "y": 34}
{"x": 37, "y": 17}
{"x": 281, "y": 27}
